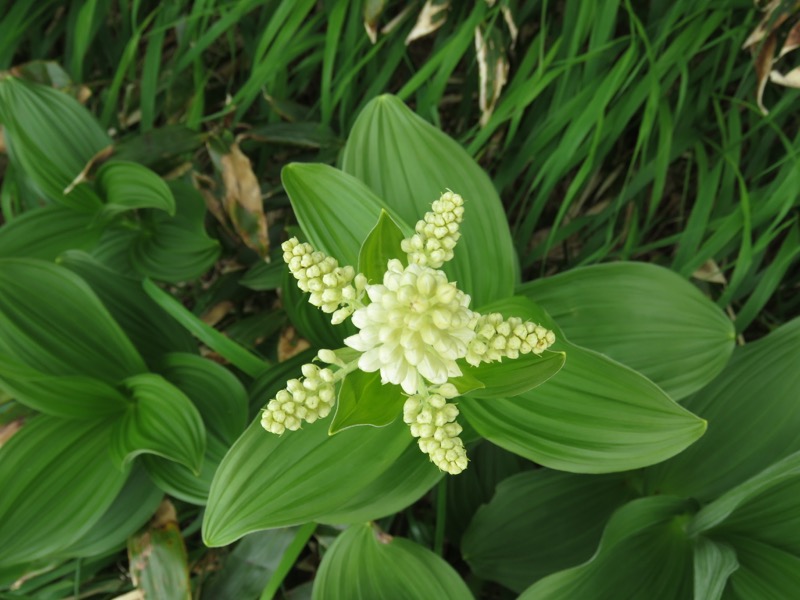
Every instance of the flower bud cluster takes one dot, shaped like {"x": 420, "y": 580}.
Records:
{"x": 498, "y": 338}
{"x": 330, "y": 285}
{"x": 433, "y": 420}
{"x": 437, "y": 233}
{"x": 306, "y": 399}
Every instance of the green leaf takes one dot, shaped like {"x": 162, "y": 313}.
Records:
{"x": 179, "y": 482}
{"x": 335, "y": 210}
{"x": 594, "y": 416}
{"x": 764, "y": 506}
{"x": 409, "y": 163}
{"x": 47, "y": 231}
{"x": 363, "y": 564}
{"x": 151, "y": 329}
{"x": 363, "y": 400}
{"x": 264, "y": 276}
{"x": 227, "y": 348}
{"x": 311, "y": 322}
{"x": 161, "y": 420}
{"x": 512, "y": 377}
{"x": 764, "y": 573}
{"x": 645, "y": 317}
{"x": 540, "y": 522}
{"x": 158, "y": 560}
{"x": 57, "y": 481}
{"x": 127, "y": 186}
{"x": 644, "y": 553}
{"x": 400, "y": 486}
{"x": 753, "y": 419}
{"x": 51, "y": 137}
{"x": 267, "y": 481}
{"x": 213, "y": 389}
{"x": 132, "y": 508}
{"x": 51, "y": 321}
{"x": 175, "y": 249}
{"x": 382, "y": 245}
{"x": 713, "y": 565}
{"x": 69, "y": 396}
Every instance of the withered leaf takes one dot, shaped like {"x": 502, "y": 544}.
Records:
{"x": 243, "y": 200}
{"x": 432, "y": 16}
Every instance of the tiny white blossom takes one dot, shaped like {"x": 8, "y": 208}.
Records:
{"x": 436, "y": 233}
{"x": 433, "y": 420}
{"x": 306, "y": 399}
{"x": 416, "y": 323}
{"x": 497, "y": 338}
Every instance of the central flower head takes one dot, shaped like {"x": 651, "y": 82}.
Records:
{"x": 417, "y": 323}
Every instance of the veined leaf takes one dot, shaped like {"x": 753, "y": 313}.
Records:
{"x": 127, "y": 186}
{"x": 269, "y": 481}
{"x": 594, "y": 416}
{"x": 765, "y": 572}
{"x": 363, "y": 400}
{"x": 57, "y": 480}
{"x": 363, "y": 564}
{"x": 409, "y": 163}
{"x": 644, "y": 553}
{"x": 382, "y": 244}
{"x": 335, "y": 210}
{"x": 643, "y": 316}
{"x": 68, "y": 396}
{"x": 161, "y": 420}
{"x": 540, "y": 522}
{"x": 47, "y": 231}
{"x": 51, "y": 137}
{"x": 73, "y": 336}
{"x": 512, "y": 377}
{"x": 753, "y": 418}
{"x": 713, "y": 565}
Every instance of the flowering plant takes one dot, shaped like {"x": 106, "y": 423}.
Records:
{"x": 413, "y": 328}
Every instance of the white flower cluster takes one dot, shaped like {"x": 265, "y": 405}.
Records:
{"x": 497, "y": 338}
{"x": 433, "y": 420}
{"x": 413, "y": 327}
{"x": 416, "y": 323}
{"x": 306, "y": 399}
{"x": 330, "y": 285}
{"x": 437, "y": 233}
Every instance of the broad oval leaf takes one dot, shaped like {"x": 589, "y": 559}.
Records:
{"x": 364, "y": 400}
{"x": 131, "y": 509}
{"x": 645, "y": 317}
{"x": 47, "y": 231}
{"x": 594, "y": 416}
{"x": 753, "y": 417}
{"x": 219, "y": 397}
{"x": 382, "y": 245}
{"x": 713, "y": 565}
{"x": 127, "y": 186}
{"x": 175, "y": 249}
{"x": 57, "y": 480}
{"x": 644, "y": 553}
{"x": 147, "y": 325}
{"x": 74, "y": 335}
{"x": 51, "y": 137}
{"x": 267, "y": 481}
{"x": 363, "y": 564}
{"x": 540, "y": 522}
{"x": 409, "y": 163}
{"x": 69, "y": 396}
{"x": 513, "y": 377}
{"x": 335, "y": 210}
{"x": 160, "y": 420}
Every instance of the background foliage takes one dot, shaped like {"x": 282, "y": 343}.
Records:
{"x": 144, "y": 180}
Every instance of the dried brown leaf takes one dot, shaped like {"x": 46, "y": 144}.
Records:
{"x": 767, "y": 25}
{"x": 709, "y": 271}
{"x": 492, "y": 71}
{"x": 763, "y": 65}
{"x": 290, "y": 344}
{"x": 217, "y": 312}
{"x": 9, "y": 429}
{"x": 243, "y": 200}
{"x": 792, "y": 41}
{"x": 790, "y": 79}
{"x": 512, "y": 26}
{"x": 373, "y": 9}
{"x": 432, "y": 16}
{"x": 97, "y": 159}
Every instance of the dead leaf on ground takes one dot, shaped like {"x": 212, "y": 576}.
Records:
{"x": 790, "y": 79}
{"x": 432, "y": 16}
{"x": 373, "y": 9}
{"x": 709, "y": 271}
{"x": 217, "y": 312}
{"x": 243, "y": 200}
{"x": 97, "y": 159}
{"x": 492, "y": 70}
{"x": 290, "y": 344}
{"x": 9, "y": 429}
